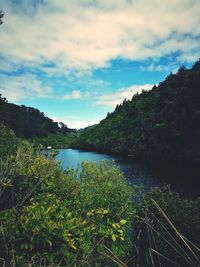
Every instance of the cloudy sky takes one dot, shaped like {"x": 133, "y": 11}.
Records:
{"x": 76, "y": 59}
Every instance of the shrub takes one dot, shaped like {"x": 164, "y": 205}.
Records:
{"x": 8, "y": 142}
{"x": 169, "y": 229}
{"x": 67, "y": 217}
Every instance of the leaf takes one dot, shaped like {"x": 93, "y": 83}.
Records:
{"x": 105, "y": 211}
{"x": 69, "y": 235}
{"x": 72, "y": 246}
{"x": 114, "y": 225}
{"x": 113, "y": 237}
{"x": 48, "y": 209}
{"x": 50, "y": 243}
{"x": 122, "y": 222}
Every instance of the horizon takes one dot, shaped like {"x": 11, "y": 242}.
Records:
{"x": 76, "y": 60}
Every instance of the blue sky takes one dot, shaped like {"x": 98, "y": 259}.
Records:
{"x": 75, "y": 60}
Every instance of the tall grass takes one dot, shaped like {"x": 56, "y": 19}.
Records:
{"x": 165, "y": 245}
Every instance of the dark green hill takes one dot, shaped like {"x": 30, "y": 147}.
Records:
{"x": 161, "y": 124}
{"x": 28, "y": 122}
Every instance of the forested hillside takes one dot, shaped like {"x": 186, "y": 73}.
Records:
{"x": 87, "y": 216}
{"x": 163, "y": 123}
{"x": 27, "y": 121}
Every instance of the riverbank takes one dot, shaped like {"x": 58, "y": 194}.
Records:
{"x": 182, "y": 175}
{"x": 53, "y": 215}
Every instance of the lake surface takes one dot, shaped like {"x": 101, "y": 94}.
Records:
{"x": 135, "y": 173}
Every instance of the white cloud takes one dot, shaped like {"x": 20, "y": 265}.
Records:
{"x": 76, "y": 94}
{"x": 123, "y": 93}
{"x": 84, "y": 35}
{"x": 26, "y": 86}
{"x": 109, "y": 100}
{"x": 170, "y": 67}
{"x": 75, "y": 122}
{"x": 76, "y": 37}
{"x": 101, "y": 83}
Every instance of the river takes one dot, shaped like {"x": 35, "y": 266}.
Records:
{"x": 135, "y": 173}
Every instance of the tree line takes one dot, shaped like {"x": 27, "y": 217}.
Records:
{"x": 160, "y": 124}
{"x": 28, "y": 122}
{"x": 88, "y": 216}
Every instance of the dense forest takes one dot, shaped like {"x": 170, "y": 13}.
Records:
{"x": 91, "y": 216}
{"x": 88, "y": 217}
{"x": 28, "y": 122}
{"x": 160, "y": 124}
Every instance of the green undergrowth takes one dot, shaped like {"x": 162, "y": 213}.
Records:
{"x": 167, "y": 229}
{"x": 62, "y": 217}
{"x": 88, "y": 216}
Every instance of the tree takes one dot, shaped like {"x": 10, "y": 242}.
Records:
{"x": 1, "y": 16}
{"x": 161, "y": 124}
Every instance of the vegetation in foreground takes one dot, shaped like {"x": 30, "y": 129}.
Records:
{"x": 168, "y": 229}
{"x": 88, "y": 217}
{"x": 65, "y": 218}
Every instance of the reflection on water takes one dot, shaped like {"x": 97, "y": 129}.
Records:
{"x": 135, "y": 173}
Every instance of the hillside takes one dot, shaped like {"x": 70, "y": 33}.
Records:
{"x": 28, "y": 122}
{"x": 163, "y": 123}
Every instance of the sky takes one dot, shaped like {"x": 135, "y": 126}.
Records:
{"x": 75, "y": 60}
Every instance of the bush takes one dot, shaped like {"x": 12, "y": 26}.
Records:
{"x": 8, "y": 142}
{"x": 84, "y": 217}
{"x": 66, "y": 217}
{"x": 169, "y": 229}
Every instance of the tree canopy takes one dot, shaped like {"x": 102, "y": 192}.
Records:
{"x": 1, "y": 16}
{"x": 27, "y": 121}
{"x": 160, "y": 124}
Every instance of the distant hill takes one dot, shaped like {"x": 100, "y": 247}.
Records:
{"x": 161, "y": 124}
{"x": 28, "y": 122}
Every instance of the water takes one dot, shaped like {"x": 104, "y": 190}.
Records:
{"x": 135, "y": 173}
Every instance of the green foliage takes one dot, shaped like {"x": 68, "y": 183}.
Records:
{"x": 66, "y": 217}
{"x": 161, "y": 124}
{"x": 170, "y": 225}
{"x": 58, "y": 140}
{"x": 8, "y": 151}
{"x": 84, "y": 217}
{"x": 1, "y": 16}
{"x": 8, "y": 142}
{"x": 27, "y": 122}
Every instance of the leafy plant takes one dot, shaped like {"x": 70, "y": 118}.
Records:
{"x": 66, "y": 217}
{"x": 168, "y": 229}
